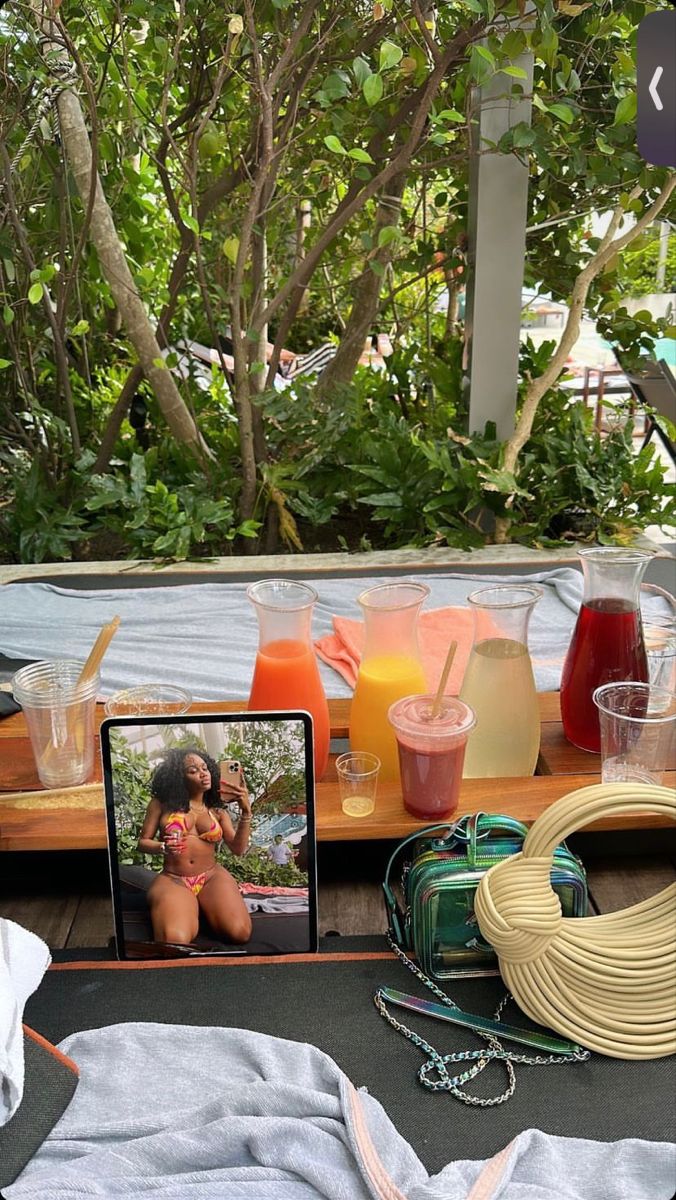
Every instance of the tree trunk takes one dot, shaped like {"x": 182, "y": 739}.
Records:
{"x": 110, "y": 252}
{"x": 365, "y": 296}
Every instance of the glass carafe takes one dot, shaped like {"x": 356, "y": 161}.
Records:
{"x": 607, "y": 643}
{"x": 390, "y": 668}
{"x": 499, "y": 684}
{"x": 286, "y": 674}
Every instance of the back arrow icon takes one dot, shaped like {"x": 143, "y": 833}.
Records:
{"x": 652, "y": 88}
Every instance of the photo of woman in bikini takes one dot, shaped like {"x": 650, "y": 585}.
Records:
{"x": 185, "y": 821}
{"x": 200, "y": 810}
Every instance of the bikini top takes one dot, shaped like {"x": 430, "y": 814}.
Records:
{"x": 179, "y": 821}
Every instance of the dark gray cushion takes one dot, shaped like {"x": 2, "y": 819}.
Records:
{"x": 49, "y": 1082}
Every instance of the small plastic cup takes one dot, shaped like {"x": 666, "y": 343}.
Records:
{"x": 638, "y": 732}
{"x": 149, "y": 700}
{"x": 358, "y": 782}
{"x": 431, "y": 752}
{"x": 59, "y": 714}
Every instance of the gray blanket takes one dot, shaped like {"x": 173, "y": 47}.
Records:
{"x": 204, "y": 636}
{"x": 173, "y": 1111}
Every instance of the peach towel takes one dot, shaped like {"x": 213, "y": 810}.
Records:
{"x": 437, "y": 627}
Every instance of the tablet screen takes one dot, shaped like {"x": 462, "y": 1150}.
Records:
{"x": 211, "y": 834}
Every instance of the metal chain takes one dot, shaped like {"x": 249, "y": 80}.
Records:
{"x": 438, "y": 1063}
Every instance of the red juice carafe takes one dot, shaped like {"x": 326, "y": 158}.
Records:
{"x": 286, "y": 674}
{"x": 607, "y": 643}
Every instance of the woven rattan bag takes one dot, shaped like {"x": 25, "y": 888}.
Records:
{"x": 607, "y": 982}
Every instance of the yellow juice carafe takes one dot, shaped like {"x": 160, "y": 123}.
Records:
{"x": 390, "y": 668}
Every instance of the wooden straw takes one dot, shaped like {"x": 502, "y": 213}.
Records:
{"x": 98, "y": 650}
{"x": 438, "y": 699}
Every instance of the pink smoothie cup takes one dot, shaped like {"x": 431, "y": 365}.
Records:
{"x": 431, "y": 752}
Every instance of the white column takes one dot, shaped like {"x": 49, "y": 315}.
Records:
{"x": 498, "y": 195}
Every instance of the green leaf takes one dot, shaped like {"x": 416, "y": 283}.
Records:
{"x": 522, "y": 135}
{"x": 5, "y": 363}
{"x": 382, "y": 500}
{"x": 513, "y": 43}
{"x": 373, "y": 89}
{"x": 7, "y": 315}
{"x": 485, "y": 53}
{"x": 334, "y": 87}
{"x": 360, "y": 155}
{"x": 515, "y": 72}
{"x": 334, "y": 144}
{"x": 231, "y": 249}
{"x": 190, "y": 221}
{"x": 563, "y": 112}
{"x": 389, "y": 234}
{"x": 626, "y": 110}
{"x": 80, "y": 328}
{"x": 451, "y": 114}
{"x": 361, "y": 70}
{"x": 35, "y": 293}
{"x": 390, "y": 56}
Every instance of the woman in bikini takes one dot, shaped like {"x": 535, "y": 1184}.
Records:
{"x": 185, "y": 821}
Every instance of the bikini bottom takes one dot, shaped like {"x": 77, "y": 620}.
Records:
{"x": 194, "y": 883}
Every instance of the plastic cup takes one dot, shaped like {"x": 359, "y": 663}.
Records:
{"x": 660, "y": 645}
{"x": 431, "y": 752}
{"x": 358, "y": 782}
{"x": 638, "y": 732}
{"x": 149, "y": 699}
{"x": 59, "y": 714}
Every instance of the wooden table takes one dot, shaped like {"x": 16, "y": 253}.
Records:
{"x": 74, "y": 819}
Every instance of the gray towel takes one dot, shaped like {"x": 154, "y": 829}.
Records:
{"x": 173, "y": 1111}
{"x": 204, "y": 636}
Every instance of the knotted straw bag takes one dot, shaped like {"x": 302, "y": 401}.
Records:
{"x": 607, "y": 982}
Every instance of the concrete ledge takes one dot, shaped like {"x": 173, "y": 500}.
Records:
{"x": 416, "y": 559}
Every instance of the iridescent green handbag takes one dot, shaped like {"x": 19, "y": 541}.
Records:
{"x": 439, "y": 883}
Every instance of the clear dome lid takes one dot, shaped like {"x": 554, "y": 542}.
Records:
{"x": 412, "y": 717}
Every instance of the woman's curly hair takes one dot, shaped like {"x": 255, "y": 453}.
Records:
{"x": 169, "y": 786}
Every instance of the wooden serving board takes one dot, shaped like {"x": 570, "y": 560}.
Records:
{"x": 74, "y": 818}
{"x": 32, "y": 818}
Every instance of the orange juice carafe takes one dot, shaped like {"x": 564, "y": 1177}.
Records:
{"x": 390, "y": 668}
{"x": 286, "y": 674}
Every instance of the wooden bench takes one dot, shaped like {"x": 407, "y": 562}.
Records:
{"x": 74, "y": 819}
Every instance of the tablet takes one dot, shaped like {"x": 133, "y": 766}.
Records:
{"x": 211, "y": 834}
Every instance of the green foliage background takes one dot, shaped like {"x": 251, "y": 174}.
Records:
{"x": 176, "y": 123}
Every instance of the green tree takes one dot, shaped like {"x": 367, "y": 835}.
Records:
{"x": 293, "y": 169}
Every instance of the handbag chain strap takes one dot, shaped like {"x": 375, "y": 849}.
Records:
{"x": 434, "y": 1073}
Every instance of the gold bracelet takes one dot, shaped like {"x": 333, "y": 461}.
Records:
{"x": 244, "y": 817}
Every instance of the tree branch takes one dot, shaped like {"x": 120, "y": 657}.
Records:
{"x": 608, "y": 247}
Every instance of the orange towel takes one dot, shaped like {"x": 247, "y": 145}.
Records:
{"x": 437, "y": 627}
